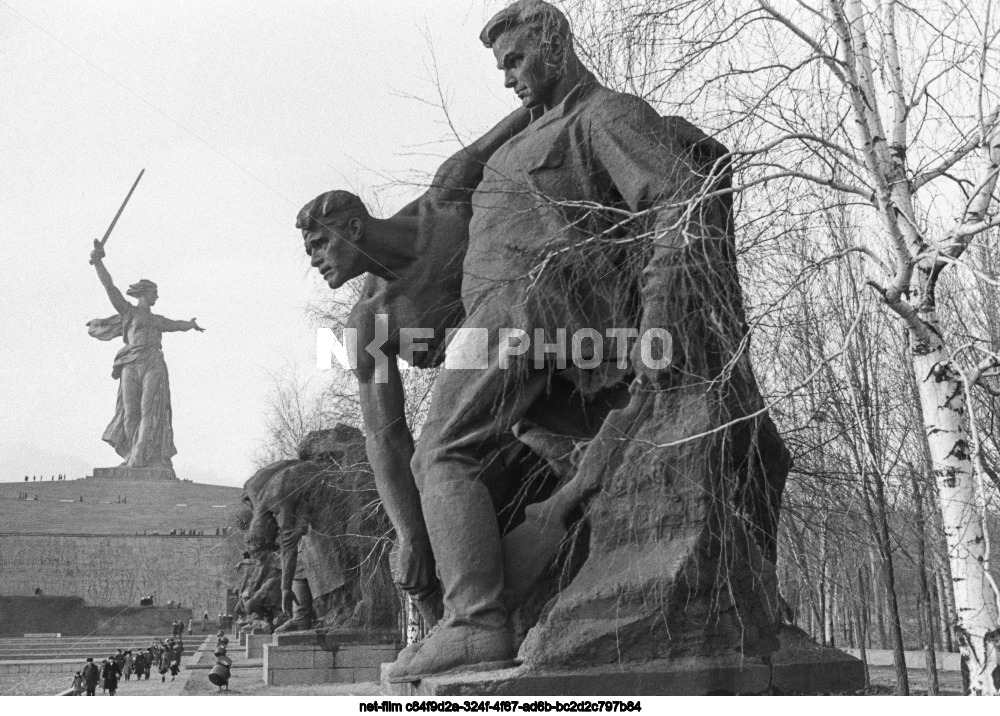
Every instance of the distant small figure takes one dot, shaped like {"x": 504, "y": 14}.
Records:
{"x": 77, "y": 688}
{"x": 164, "y": 665}
{"x": 127, "y": 664}
{"x": 138, "y": 664}
{"x": 190, "y": 626}
{"x": 81, "y": 498}
{"x": 25, "y": 478}
{"x": 38, "y": 591}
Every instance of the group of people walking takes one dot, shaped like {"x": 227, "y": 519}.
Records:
{"x": 164, "y": 656}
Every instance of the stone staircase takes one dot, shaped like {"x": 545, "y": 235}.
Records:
{"x": 67, "y": 654}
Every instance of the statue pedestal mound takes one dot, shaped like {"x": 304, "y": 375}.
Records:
{"x": 799, "y": 666}
{"x": 134, "y": 474}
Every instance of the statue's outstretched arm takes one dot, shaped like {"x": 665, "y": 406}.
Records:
{"x": 117, "y": 299}
{"x": 458, "y": 177}
{"x": 166, "y": 325}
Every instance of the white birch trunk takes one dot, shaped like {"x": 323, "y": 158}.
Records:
{"x": 942, "y": 400}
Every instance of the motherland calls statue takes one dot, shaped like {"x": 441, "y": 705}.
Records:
{"x": 141, "y": 431}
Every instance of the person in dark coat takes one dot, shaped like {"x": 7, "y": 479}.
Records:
{"x": 109, "y": 676}
{"x": 139, "y": 664}
{"x": 127, "y": 663}
{"x": 164, "y": 665}
{"x": 91, "y": 676}
{"x": 173, "y": 655}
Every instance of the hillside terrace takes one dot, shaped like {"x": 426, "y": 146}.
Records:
{"x": 112, "y": 507}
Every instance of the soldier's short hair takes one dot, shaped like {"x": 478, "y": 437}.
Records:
{"x": 545, "y": 19}
{"x": 331, "y": 209}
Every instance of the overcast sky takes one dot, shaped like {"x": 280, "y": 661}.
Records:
{"x": 240, "y": 112}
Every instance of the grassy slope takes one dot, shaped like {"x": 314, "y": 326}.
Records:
{"x": 150, "y": 506}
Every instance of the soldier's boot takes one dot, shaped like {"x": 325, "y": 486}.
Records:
{"x": 474, "y": 632}
{"x": 302, "y": 611}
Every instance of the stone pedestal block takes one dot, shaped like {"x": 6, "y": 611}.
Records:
{"x": 255, "y": 644}
{"x": 332, "y": 638}
{"x": 134, "y": 474}
{"x": 326, "y": 657}
{"x": 798, "y": 667}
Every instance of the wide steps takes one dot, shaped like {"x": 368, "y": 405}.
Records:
{"x": 52, "y": 649}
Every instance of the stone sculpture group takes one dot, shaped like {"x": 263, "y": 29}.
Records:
{"x": 320, "y": 540}
{"x": 651, "y": 488}
{"x": 613, "y": 500}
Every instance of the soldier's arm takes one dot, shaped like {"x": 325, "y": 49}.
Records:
{"x": 389, "y": 445}
{"x": 652, "y": 163}
{"x": 459, "y": 175}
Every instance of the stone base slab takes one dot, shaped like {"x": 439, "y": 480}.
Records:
{"x": 255, "y": 644}
{"x": 333, "y": 638}
{"x": 798, "y": 667}
{"x": 296, "y": 664}
{"x": 134, "y": 474}
{"x": 946, "y": 661}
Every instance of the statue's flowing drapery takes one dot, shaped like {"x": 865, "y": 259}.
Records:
{"x": 141, "y": 431}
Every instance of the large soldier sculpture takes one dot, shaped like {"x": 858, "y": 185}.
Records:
{"x": 603, "y": 220}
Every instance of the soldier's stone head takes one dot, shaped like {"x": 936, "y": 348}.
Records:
{"x": 333, "y": 227}
{"x": 533, "y": 46}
